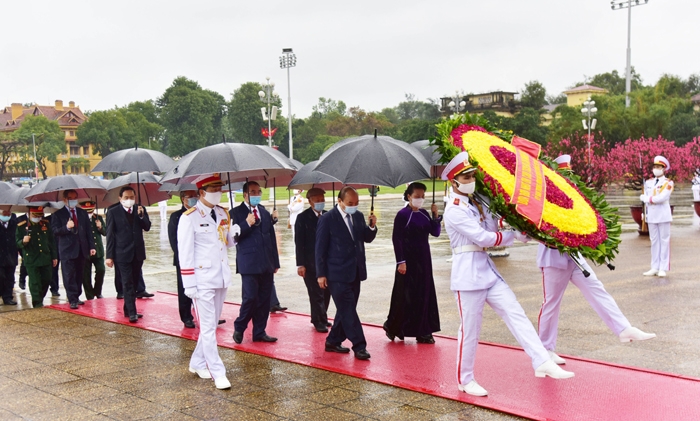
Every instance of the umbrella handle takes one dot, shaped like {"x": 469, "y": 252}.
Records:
{"x": 274, "y": 196}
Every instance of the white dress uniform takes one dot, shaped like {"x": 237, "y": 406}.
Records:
{"x": 557, "y": 270}
{"x": 658, "y": 216}
{"x": 476, "y": 281}
{"x": 295, "y": 207}
{"x": 203, "y": 244}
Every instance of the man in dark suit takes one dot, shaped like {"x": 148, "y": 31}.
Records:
{"x": 305, "y": 242}
{"x": 8, "y": 256}
{"x": 257, "y": 260}
{"x": 72, "y": 228}
{"x": 126, "y": 223}
{"x": 98, "y": 260}
{"x": 188, "y": 199}
{"x": 340, "y": 267}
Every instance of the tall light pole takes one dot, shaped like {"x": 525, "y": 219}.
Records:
{"x": 588, "y": 112}
{"x": 628, "y": 4}
{"x": 269, "y": 113}
{"x": 36, "y": 171}
{"x": 457, "y": 103}
{"x": 288, "y": 60}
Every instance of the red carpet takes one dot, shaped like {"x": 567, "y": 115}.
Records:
{"x": 600, "y": 391}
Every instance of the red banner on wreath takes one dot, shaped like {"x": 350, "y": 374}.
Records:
{"x": 530, "y": 188}
{"x": 267, "y": 133}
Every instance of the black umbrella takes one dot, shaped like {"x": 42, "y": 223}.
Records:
{"x": 429, "y": 153}
{"x": 176, "y": 188}
{"x": 374, "y": 160}
{"x": 145, "y": 183}
{"x": 50, "y": 189}
{"x": 308, "y": 177}
{"x": 135, "y": 160}
{"x": 4, "y": 185}
{"x": 14, "y": 200}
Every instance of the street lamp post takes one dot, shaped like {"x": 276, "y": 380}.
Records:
{"x": 457, "y": 103}
{"x": 589, "y": 122}
{"x": 288, "y": 60}
{"x": 628, "y": 4}
{"x": 269, "y": 113}
{"x": 36, "y": 170}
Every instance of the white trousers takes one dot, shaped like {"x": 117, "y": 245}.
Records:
{"x": 163, "y": 212}
{"x": 660, "y": 235}
{"x": 208, "y": 307}
{"x": 554, "y": 283}
{"x": 503, "y": 302}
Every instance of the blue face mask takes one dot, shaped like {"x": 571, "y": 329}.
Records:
{"x": 5, "y": 218}
{"x": 255, "y": 200}
{"x": 350, "y": 209}
{"x": 318, "y": 207}
{"x": 72, "y": 203}
{"x": 191, "y": 202}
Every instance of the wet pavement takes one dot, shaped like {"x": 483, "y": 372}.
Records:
{"x": 55, "y": 365}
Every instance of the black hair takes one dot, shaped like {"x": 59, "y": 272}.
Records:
{"x": 126, "y": 188}
{"x": 247, "y": 185}
{"x": 411, "y": 188}
{"x": 344, "y": 191}
{"x": 67, "y": 192}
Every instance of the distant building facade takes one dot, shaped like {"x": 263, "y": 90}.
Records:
{"x": 69, "y": 118}
{"x": 501, "y": 103}
{"x": 576, "y": 96}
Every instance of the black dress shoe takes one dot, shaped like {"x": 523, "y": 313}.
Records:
{"x": 80, "y": 303}
{"x": 362, "y": 354}
{"x": 22, "y": 286}
{"x": 99, "y": 296}
{"x": 133, "y": 319}
{"x": 237, "y": 337}
{"x": 388, "y": 334}
{"x": 189, "y": 324}
{"x": 321, "y": 327}
{"x": 138, "y": 315}
{"x": 73, "y": 306}
{"x": 120, "y": 296}
{"x": 55, "y": 294}
{"x": 265, "y": 338}
{"x": 144, "y": 294}
{"x": 222, "y": 322}
{"x": 329, "y": 324}
{"x": 11, "y": 303}
{"x": 336, "y": 348}
{"x": 426, "y": 339}
{"x": 277, "y": 308}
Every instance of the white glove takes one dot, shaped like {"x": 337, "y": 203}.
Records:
{"x": 191, "y": 293}
{"x": 235, "y": 230}
{"x": 521, "y": 237}
{"x": 644, "y": 198}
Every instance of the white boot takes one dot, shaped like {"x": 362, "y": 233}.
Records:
{"x": 203, "y": 373}
{"x": 633, "y": 334}
{"x": 473, "y": 388}
{"x": 557, "y": 359}
{"x": 222, "y": 383}
{"x": 650, "y": 272}
{"x": 552, "y": 370}
{"x": 661, "y": 274}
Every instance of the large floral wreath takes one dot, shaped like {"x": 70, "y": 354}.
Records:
{"x": 575, "y": 219}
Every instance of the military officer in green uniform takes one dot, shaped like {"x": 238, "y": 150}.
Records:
{"x": 35, "y": 238}
{"x": 98, "y": 260}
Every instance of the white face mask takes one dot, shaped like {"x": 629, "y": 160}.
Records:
{"x": 467, "y": 188}
{"x": 35, "y": 219}
{"x": 417, "y": 203}
{"x": 658, "y": 172}
{"x": 213, "y": 197}
{"x": 127, "y": 203}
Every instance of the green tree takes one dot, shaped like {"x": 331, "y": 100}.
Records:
{"x": 329, "y": 106}
{"x": 316, "y": 148}
{"x": 682, "y": 128}
{"x": 8, "y": 144}
{"x": 411, "y": 109}
{"x": 192, "y": 116}
{"x": 245, "y": 118}
{"x": 50, "y": 141}
{"x": 614, "y": 82}
{"x": 121, "y": 128}
{"x": 527, "y": 123}
{"x": 533, "y": 95}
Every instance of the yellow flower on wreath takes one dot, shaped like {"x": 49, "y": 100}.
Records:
{"x": 581, "y": 219}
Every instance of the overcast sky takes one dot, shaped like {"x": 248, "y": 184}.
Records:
{"x": 366, "y": 53}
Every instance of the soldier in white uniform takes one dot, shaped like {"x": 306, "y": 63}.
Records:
{"x": 295, "y": 207}
{"x": 557, "y": 270}
{"x": 657, "y": 192}
{"x": 204, "y": 235}
{"x": 476, "y": 281}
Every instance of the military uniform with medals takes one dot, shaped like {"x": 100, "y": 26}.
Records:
{"x": 39, "y": 255}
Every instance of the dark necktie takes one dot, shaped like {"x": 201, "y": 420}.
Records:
{"x": 213, "y": 215}
{"x": 75, "y": 218}
{"x": 129, "y": 211}
{"x": 255, "y": 214}
{"x": 350, "y": 225}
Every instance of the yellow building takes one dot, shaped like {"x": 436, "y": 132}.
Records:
{"x": 576, "y": 96}
{"x": 501, "y": 103}
{"x": 69, "y": 119}
{"x": 696, "y": 102}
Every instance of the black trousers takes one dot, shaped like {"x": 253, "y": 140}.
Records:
{"x": 319, "y": 299}
{"x": 129, "y": 272}
{"x": 7, "y": 282}
{"x": 140, "y": 286}
{"x": 72, "y": 270}
{"x": 346, "y": 324}
{"x": 53, "y": 286}
{"x": 184, "y": 303}
{"x": 255, "y": 303}
{"x": 22, "y": 274}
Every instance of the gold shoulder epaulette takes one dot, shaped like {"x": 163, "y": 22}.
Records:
{"x": 21, "y": 223}
{"x": 190, "y": 210}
